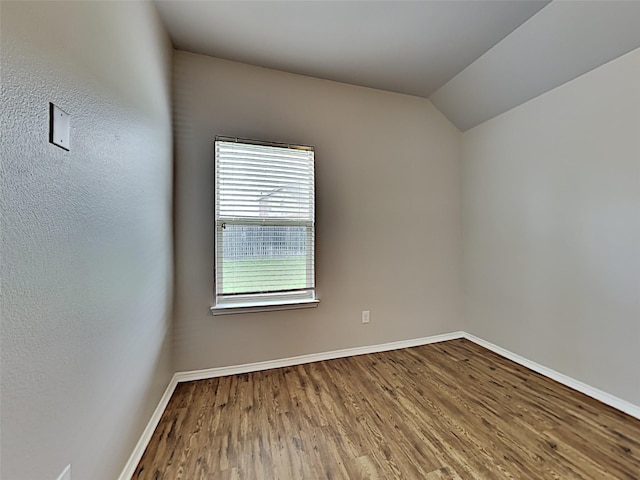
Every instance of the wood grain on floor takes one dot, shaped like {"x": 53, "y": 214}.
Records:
{"x": 446, "y": 411}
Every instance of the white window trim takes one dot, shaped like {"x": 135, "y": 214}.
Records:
{"x": 253, "y": 303}
{"x": 267, "y": 302}
{"x": 264, "y": 306}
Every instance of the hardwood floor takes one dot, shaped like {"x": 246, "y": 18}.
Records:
{"x": 446, "y": 411}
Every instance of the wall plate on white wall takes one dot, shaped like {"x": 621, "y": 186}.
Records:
{"x": 59, "y": 126}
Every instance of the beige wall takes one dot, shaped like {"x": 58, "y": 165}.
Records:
{"x": 86, "y": 271}
{"x": 551, "y": 209}
{"x": 388, "y": 211}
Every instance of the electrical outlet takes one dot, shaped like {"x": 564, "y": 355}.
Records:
{"x": 66, "y": 473}
{"x": 365, "y": 316}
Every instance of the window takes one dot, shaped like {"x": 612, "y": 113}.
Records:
{"x": 265, "y": 226}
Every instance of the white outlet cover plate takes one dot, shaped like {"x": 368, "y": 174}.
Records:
{"x": 60, "y": 126}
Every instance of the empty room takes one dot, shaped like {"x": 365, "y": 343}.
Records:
{"x": 320, "y": 240}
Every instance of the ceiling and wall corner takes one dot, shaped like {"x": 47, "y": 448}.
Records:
{"x": 473, "y": 60}
{"x": 404, "y": 47}
{"x": 561, "y": 42}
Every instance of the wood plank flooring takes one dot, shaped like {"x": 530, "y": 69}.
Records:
{"x": 446, "y": 411}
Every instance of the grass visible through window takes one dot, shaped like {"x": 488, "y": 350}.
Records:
{"x": 264, "y": 274}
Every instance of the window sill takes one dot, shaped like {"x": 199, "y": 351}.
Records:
{"x": 265, "y": 306}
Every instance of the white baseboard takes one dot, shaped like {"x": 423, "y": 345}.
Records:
{"x": 313, "y": 357}
{"x": 130, "y": 467}
{"x": 138, "y": 451}
{"x": 604, "y": 397}
{"x": 179, "y": 377}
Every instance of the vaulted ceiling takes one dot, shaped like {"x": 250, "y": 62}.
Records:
{"x": 473, "y": 59}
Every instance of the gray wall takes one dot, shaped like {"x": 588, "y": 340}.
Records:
{"x": 551, "y": 209}
{"x": 388, "y": 211}
{"x": 86, "y": 235}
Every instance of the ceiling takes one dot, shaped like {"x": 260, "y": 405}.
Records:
{"x": 474, "y": 59}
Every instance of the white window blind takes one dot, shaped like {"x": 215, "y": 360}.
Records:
{"x": 265, "y": 215}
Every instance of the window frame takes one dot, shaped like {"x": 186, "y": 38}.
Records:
{"x": 261, "y": 302}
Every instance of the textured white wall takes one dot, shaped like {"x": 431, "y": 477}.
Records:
{"x": 388, "y": 211}
{"x": 86, "y": 271}
{"x": 551, "y": 209}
